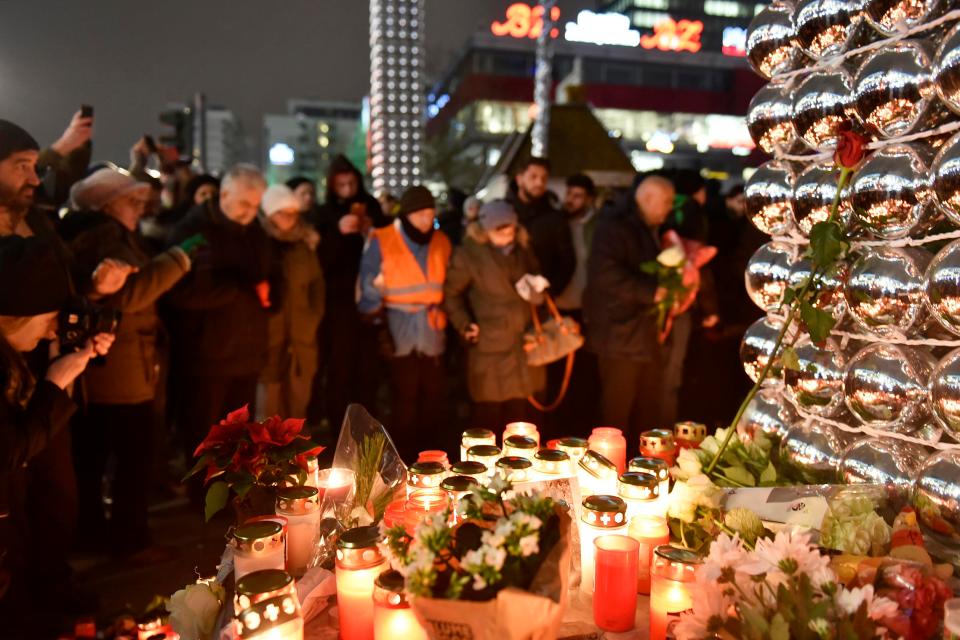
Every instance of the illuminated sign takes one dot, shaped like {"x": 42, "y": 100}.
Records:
{"x": 674, "y": 35}
{"x": 281, "y": 154}
{"x": 602, "y": 28}
{"x": 524, "y": 21}
{"x": 735, "y": 41}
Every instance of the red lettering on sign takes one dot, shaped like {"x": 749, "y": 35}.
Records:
{"x": 671, "y": 35}
{"x": 524, "y": 21}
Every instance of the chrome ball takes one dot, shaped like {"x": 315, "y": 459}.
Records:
{"x": 891, "y": 464}
{"x": 943, "y": 287}
{"x": 757, "y": 346}
{"x": 945, "y": 392}
{"x": 771, "y": 45}
{"x": 816, "y": 385}
{"x": 769, "y": 198}
{"x": 889, "y": 16}
{"x": 829, "y": 294}
{"x": 768, "y": 274}
{"x": 886, "y": 291}
{"x": 814, "y": 191}
{"x": 770, "y": 119}
{"x": 766, "y": 413}
{"x": 820, "y": 103}
{"x": 945, "y": 179}
{"x": 826, "y": 27}
{"x": 936, "y": 497}
{"x": 892, "y": 89}
{"x": 886, "y": 386}
{"x": 891, "y": 193}
{"x": 813, "y": 449}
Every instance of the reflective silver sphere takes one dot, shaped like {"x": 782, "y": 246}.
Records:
{"x": 893, "y": 87}
{"x": 943, "y": 287}
{"x": 892, "y": 464}
{"x": 768, "y": 273}
{"x": 826, "y": 27}
{"x": 886, "y": 290}
{"x": 945, "y": 177}
{"x": 770, "y": 121}
{"x": 813, "y": 193}
{"x": 817, "y": 386}
{"x": 886, "y": 386}
{"x": 891, "y": 193}
{"x": 771, "y": 46}
{"x": 945, "y": 392}
{"x": 887, "y": 16}
{"x": 769, "y": 198}
{"x": 757, "y": 345}
{"x": 820, "y": 103}
{"x": 767, "y": 413}
{"x": 936, "y": 497}
{"x": 829, "y": 296}
{"x": 814, "y": 450}
{"x": 946, "y": 70}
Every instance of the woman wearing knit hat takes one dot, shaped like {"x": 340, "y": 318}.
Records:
{"x": 286, "y": 382}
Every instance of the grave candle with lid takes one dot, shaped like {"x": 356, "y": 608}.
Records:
{"x": 601, "y": 515}
{"x": 425, "y": 475}
{"x": 671, "y": 587}
{"x": 522, "y": 429}
{"x": 300, "y": 506}
{"x": 473, "y": 437}
{"x": 552, "y": 463}
{"x": 641, "y": 492}
{"x": 597, "y": 475}
{"x": 258, "y": 545}
{"x": 393, "y": 619}
{"x": 456, "y": 487}
{"x": 266, "y": 607}
{"x": 359, "y": 562}
{"x": 488, "y": 454}
{"x": 514, "y": 468}
{"x": 610, "y": 442}
{"x": 521, "y": 446}
{"x": 470, "y": 468}
{"x": 659, "y": 443}
{"x": 658, "y": 468}
{"x": 573, "y": 447}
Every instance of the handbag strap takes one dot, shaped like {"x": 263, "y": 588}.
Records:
{"x": 537, "y": 327}
{"x": 564, "y": 386}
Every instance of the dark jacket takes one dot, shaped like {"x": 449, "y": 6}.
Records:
{"x": 130, "y": 372}
{"x": 340, "y": 254}
{"x": 618, "y": 301}
{"x": 220, "y": 327}
{"x": 550, "y": 237}
{"x": 480, "y": 289}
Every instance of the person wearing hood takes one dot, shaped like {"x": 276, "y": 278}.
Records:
{"x": 119, "y": 414}
{"x": 481, "y": 298}
{"x": 287, "y": 380}
{"x": 349, "y": 364}
{"x": 401, "y": 278}
{"x": 538, "y": 213}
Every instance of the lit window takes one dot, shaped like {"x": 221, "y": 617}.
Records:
{"x": 647, "y": 19}
{"x": 725, "y": 8}
{"x": 651, "y": 4}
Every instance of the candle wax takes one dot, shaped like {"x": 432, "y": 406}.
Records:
{"x": 396, "y": 623}
{"x": 355, "y": 601}
{"x": 668, "y": 599}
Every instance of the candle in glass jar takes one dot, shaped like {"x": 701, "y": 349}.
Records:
{"x": 301, "y": 508}
{"x": 573, "y": 447}
{"x": 610, "y": 442}
{"x": 422, "y": 505}
{"x": 434, "y": 455}
{"x": 650, "y": 532}
{"x": 553, "y": 463}
{"x": 425, "y": 475}
{"x": 266, "y": 607}
{"x": 658, "y": 468}
{"x": 358, "y": 564}
{"x": 457, "y": 487}
{"x": 522, "y": 429}
{"x": 597, "y": 475}
{"x": 689, "y": 435}
{"x": 615, "y": 594}
{"x": 672, "y": 579}
{"x": 393, "y": 514}
{"x": 488, "y": 454}
{"x": 600, "y": 516}
{"x": 471, "y": 469}
{"x": 258, "y": 545}
{"x": 659, "y": 443}
{"x": 335, "y": 484}
{"x": 521, "y": 446}
{"x": 514, "y": 468}
{"x": 393, "y": 619}
{"x": 641, "y": 492}
{"x": 473, "y": 437}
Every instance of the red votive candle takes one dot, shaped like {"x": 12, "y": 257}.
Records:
{"x": 335, "y": 484}
{"x": 434, "y": 455}
{"x": 615, "y": 594}
{"x": 610, "y": 442}
{"x": 422, "y": 504}
{"x": 659, "y": 443}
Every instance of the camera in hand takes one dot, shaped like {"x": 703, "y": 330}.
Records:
{"x": 81, "y": 321}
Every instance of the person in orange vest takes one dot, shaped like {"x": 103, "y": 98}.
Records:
{"x": 402, "y": 272}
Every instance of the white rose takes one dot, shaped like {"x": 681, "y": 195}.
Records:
{"x": 672, "y": 257}
{"x": 705, "y": 493}
{"x": 193, "y": 612}
{"x": 683, "y": 505}
{"x": 688, "y": 464}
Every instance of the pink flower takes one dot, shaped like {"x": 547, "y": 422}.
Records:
{"x": 788, "y": 552}
{"x": 711, "y": 608}
{"x": 724, "y": 552}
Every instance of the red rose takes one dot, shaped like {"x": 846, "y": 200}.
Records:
{"x": 221, "y": 434}
{"x": 851, "y": 146}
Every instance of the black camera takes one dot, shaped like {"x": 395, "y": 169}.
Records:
{"x": 81, "y": 320}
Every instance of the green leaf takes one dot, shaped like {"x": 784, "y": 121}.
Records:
{"x": 819, "y": 323}
{"x": 755, "y": 621}
{"x": 651, "y": 267}
{"x": 217, "y": 496}
{"x": 201, "y": 464}
{"x": 769, "y": 475}
{"x": 779, "y": 629}
{"x": 789, "y": 359}
{"x": 827, "y": 244}
{"x": 740, "y": 475}
{"x": 242, "y": 488}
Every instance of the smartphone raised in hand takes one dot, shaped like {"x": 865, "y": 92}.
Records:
{"x": 86, "y": 111}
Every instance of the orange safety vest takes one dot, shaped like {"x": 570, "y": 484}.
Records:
{"x": 405, "y": 286}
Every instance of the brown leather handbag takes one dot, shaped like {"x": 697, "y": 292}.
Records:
{"x": 557, "y": 338}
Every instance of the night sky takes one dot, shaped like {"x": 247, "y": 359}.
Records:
{"x": 129, "y": 58}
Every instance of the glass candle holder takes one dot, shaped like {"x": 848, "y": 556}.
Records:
{"x": 456, "y": 487}
{"x": 488, "y": 454}
{"x": 522, "y": 429}
{"x": 393, "y": 514}
{"x": 553, "y": 463}
{"x": 336, "y": 484}
{"x": 301, "y": 507}
{"x": 425, "y": 475}
{"x": 434, "y": 455}
{"x": 313, "y": 473}
{"x": 358, "y": 564}
{"x": 610, "y": 442}
{"x": 615, "y": 595}
{"x": 597, "y": 475}
{"x": 422, "y": 505}
{"x": 641, "y": 492}
{"x": 473, "y": 437}
{"x": 515, "y": 468}
{"x": 689, "y": 435}
{"x": 650, "y": 532}
{"x": 257, "y": 546}
{"x": 659, "y": 443}
{"x": 658, "y": 468}
{"x": 573, "y": 447}
{"x": 266, "y": 607}
{"x": 600, "y": 515}
{"x": 393, "y": 618}
{"x": 672, "y": 580}
{"x": 470, "y": 468}
{"x": 521, "y": 446}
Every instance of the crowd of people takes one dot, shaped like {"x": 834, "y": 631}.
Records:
{"x": 136, "y": 311}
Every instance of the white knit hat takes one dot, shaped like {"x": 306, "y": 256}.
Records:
{"x": 277, "y": 198}
{"x": 102, "y": 186}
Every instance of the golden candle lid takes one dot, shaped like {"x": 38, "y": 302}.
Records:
{"x": 573, "y": 443}
{"x": 653, "y": 466}
{"x": 657, "y": 439}
{"x": 428, "y": 468}
{"x": 478, "y": 433}
{"x": 520, "y": 442}
{"x": 266, "y": 582}
{"x": 604, "y": 511}
{"x": 484, "y": 450}
{"x": 257, "y": 537}
{"x": 690, "y": 430}
{"x": 676, "y": 554}
{"x": 552, "y": 455}
{"x": 458, "y": 483}
{"x": 298, "y": 500}
{"x": 262, "y": 618}
{"x": 638, "y": 485}
{"x": 357, "y": 548}
{"x": 514, "y": 463}
{"x": 468, "y": 468}
{"x": 598, "y": 465}
{"x": 359, "y": 537}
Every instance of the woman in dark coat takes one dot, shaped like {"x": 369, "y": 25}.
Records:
{"x": 483, "y": 305}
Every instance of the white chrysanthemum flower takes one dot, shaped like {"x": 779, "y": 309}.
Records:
{"x": 724, "y": 552}
{"x": 479, "y": 584}
{"x": 529, "y": 545}
{"x": 820, "y": 627}
{"x": 709, "y": 612}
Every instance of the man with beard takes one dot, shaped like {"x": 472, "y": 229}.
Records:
{"x": 348, "y": 351}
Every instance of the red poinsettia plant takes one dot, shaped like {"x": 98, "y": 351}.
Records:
{"x": 240, "y": 454}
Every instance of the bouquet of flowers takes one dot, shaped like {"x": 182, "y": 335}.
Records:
{"x": 240, "y": 454}
{"x": 194, "y": 609}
